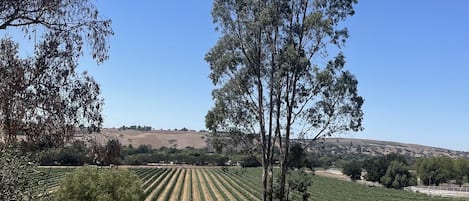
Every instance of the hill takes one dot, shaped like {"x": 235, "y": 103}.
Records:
{"x": 376, "y": 147}
{"x": 183, "y": 139}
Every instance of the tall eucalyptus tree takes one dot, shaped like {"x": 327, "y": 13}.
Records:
{"x": 274, "y": 77}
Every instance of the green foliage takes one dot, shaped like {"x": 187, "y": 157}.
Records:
{"x": 460, "y": 170}
{"x": 75, "y": 154}
{"x": 353, "y": 169}
{"x": 267, "y": 77}
{"x": 108, "y": 154}
{"x": 436, "y": 170}
{"x": 43, "y": 96}
{"x": 247, "y": 181}
{"x": 377, "y": 166}
{"x": 250, "y": 161}
{"x": 187, "y": 156}
{"x": 18, "y": 177}
{"x": 113, "y": 151}
{"x": 398, "y": 176}
{"x": 298, "y": 158}
{"x": 299, "y": 182}
{"x": 88, "y": 184}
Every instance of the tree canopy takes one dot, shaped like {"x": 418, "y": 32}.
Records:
{"x": 271, "y": 77}
{"x": 43, "y": 96}
{"x": 100, "y": 185}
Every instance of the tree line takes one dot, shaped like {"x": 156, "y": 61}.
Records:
{"x": 394, "y": 170}
{"x": 391, "y": 170}
{"x": 442, "y": 169}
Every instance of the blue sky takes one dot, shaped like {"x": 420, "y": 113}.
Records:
{"x": 410, "y": 58}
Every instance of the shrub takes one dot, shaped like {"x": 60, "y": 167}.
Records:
{"x": 250, "y": 161}
{"x": 398, "y": 176}
{"x": 353, "y": 169}
{"x": 88, "y": 184}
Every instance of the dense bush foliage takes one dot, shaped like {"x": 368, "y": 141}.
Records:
{"x": 143, "y": 154}
{"x": 391, "y": 170}
{"x": 353, "y": 169}
{"x": 437, "y": 170}
{"x": 398, "y": 176}
{"x": 299, "y": 182}
{"x": 377, "y": 166}
{"x": 88, "y": 184}
{"x": 18, "y": 179}
{"x": 74, "y": 155}
{"x": 298, "y": 157}
{"x": 250, "y": 161}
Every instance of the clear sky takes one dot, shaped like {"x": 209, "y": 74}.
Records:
{"x": 410, "y": 57}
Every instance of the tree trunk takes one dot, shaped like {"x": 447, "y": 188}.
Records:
{"x": 284, "y": 170}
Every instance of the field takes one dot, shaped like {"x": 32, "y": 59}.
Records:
{"x": 212, "y": 184}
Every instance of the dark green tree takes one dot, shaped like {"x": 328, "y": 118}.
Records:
{"x": 113, "y": 151}
{"x": 298, "y": 157}
{"x": 434, "y": 170}
{"x": 460, "y": 170}
{"x": 299, "y": 182}
{"x": 353, "y": 169}
{"x": 269, "y": 75}
{"x": 398, "y": 176}
{"x": 377, "y": 166}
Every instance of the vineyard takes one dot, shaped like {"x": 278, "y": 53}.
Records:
{"x": 213, "y": 184}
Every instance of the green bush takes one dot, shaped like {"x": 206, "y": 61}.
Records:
{"x": 88, "y": 184}
{"x": 250, "y": 161}
{"x": 398, "y": 176}
{"x": 353, "y": 169}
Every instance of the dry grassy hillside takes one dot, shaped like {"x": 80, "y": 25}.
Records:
{"x": 157, "y": 139}
{"x": 376, "y": 147}
{"x": 182, "y": 139}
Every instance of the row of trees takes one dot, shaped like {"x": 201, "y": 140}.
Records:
{"x": 78, "y": 153}
{"x": 437, "y": 170}
{"x": 144, "y": 154}
{"x": 391, "y": 170}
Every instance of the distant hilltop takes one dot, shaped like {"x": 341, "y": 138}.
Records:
{"x": 184, "y": 138}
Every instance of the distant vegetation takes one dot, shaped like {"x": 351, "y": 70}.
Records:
{"x": 136, "y": 127}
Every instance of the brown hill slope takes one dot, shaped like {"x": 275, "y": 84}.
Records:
{"x": 157, "y": 138}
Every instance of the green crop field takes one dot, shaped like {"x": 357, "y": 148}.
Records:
{"x": 213, "y": 184}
